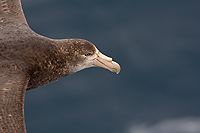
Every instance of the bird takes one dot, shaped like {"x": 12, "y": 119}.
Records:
{"x": 29, "y": 60}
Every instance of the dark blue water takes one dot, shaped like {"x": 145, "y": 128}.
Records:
{"x": 157, "y": 44}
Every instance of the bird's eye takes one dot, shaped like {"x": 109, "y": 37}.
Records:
{"x": 88, "y": 54}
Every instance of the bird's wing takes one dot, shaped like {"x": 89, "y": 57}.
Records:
{"x": 12, "y": 9}
{"x": 12, "y": 91}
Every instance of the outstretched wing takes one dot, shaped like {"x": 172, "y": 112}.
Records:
{"x": 12, "y": 9}
{"x": 12, "y": 91}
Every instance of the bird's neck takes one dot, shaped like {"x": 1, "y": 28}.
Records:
{"x": 51, "y": 65}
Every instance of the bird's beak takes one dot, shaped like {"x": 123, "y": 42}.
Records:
{"x": 107, "y": 63}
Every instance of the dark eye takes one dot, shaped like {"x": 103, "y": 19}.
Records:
{"x": 88, "y": 54}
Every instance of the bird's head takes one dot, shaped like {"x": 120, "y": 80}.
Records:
{"x": 83, "y": 54}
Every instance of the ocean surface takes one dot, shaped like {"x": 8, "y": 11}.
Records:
{"x": 157, "y": 44}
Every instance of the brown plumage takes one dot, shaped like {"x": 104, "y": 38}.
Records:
{"x": 29, "y": 60}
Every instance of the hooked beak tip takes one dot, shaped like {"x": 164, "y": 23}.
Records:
{"x": 116, "y": 68}
{"x": 107, "y": 63}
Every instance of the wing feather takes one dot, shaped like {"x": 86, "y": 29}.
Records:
{"x": 12, "y": 92}
{"x": 12, "y": 9}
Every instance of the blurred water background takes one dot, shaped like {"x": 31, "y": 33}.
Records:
{"x": 157, "y": 44}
